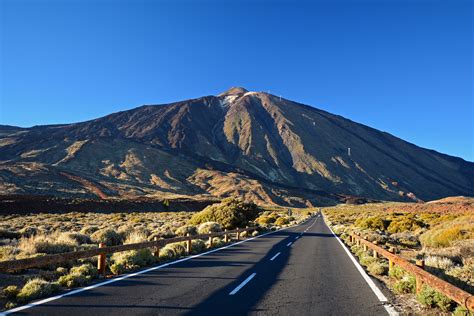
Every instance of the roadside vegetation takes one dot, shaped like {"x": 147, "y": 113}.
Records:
{"x": 441, "y": 233}
{"x": 24, "y": 236}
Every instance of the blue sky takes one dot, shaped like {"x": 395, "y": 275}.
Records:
{"x": 404, "y": 67}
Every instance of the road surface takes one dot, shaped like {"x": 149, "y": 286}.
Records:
{"x": 302, "y": 270}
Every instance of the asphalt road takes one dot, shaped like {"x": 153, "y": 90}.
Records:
{"x": 302, "y": 270}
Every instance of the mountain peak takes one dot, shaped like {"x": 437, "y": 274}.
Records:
{"x": 234, "y": 91}
{"x": 237, "y": 144}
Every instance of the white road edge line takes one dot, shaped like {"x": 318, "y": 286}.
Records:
{"x": 273, "y": 258}
{"x": 126, "y": 276}
{"x": 241, "y": 285}
{"x": 390, "y": 310}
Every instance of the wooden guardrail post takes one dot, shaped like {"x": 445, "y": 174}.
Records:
{"x": 156, "y": 250}
{"x": 226, "y": 236}
{"x": 188, "y": 244}
{"x": 390, "y": 261}
{"x": 101, "y": 261}
{"x": 419, "y": 282}
{"x": 374, "y": 251}
{"x": 210, "y": 240}
{"x": 420, "y": 263}
{"x": 237, "y": 235}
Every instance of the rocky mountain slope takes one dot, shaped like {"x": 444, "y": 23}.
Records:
{"x": 254, "y": 144}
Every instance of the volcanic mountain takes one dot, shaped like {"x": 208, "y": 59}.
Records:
{"x": 238, "y": 143}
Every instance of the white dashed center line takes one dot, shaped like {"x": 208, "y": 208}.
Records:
{"x": 241, "y": 285}
{"x": 289, "y": 244}
{"x": 273, "y": 258}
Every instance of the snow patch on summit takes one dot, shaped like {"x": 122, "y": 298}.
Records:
{"x": 228, "y": 100}
{"x": 250, "y": 93}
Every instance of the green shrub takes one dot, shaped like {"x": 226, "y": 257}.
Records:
{"x": 216, "y": 242}
{"x": 178, "y": 248}
{"x": 461, "y": 311}
{"x": 431, "y": 298}
{"x": 367, "y": 260}
{"x": 185, "y": 230}
{"x": 406, "y": 285}
{"x": 107, "y": 236}
{"x": 167, "y": 254}
{"x": 381, "y": 239}
{"x": 372, "y": 223}
{"x": 207, "y": 227}
{"x": 377, "y": 268}
{"x": 135, "y": 237}
{"x": 407, "y": 239}
{"x": 355, "y": 248}
{"x": 282, "y": 221}
{"x": 461, "y": 276}
{"x": 8, "y": 252}
{"x": 404, "y": 223}
{"x": 79, "y": 276}
{"x": 358, "y": 251}
{"x": 48, "y": 244}
{"x": 265, "y": 220}
{"x": 117, "y": 268}
{"x": 198, "y": 246}
{"x": 11, "y": 291}
{"x": 426, "y": 296}
{"x": 133, "y": 259}
{"x": 36, "y": 288}
{"x": 397, "y": 273}
{"x": 444, "y": 302}
{"x": 61, "y": 270}
{"x": 439, "y": 262}
{"x": 230, "y": 213}
{"x": 445, "y": 234}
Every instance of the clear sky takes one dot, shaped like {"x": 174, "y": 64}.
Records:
{"x": 405, "y": 67}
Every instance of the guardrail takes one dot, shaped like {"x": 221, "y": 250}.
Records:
{"x": 461, "y": 297}
{"x": 102, "y": 251}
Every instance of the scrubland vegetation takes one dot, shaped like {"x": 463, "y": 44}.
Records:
{"x": 440, "y": 233}
{"x": 24, "y": 236}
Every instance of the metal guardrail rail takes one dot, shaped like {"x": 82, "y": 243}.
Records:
{"x": 102, "y": 251}
{"x": 461, "y": 297}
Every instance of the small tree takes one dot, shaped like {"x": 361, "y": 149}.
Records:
{"x": 230, "y": 213}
